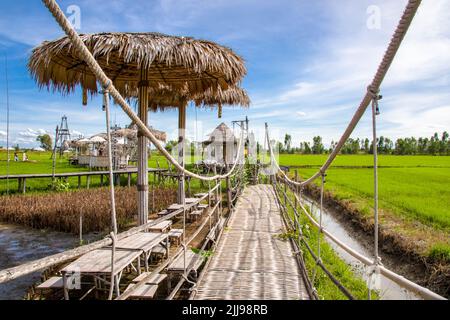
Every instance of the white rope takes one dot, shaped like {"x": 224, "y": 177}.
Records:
{"x": 86, "y": 55}
{"x": 113, "y": 253}
{"x": 394, "y": 45}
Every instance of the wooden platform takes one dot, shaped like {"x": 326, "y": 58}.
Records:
{"x": 250, "y": 262}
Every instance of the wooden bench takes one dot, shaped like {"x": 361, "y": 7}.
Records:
{"x": 158, "y": 252}
{"x": 175, "y": 236}
{"x": 52, "y": 283}
{"x": 146, "y": 291}
{"x": 162, "y": 213}
{"x": 162, "y": 227}
{"x": 202, "y": 207}
{"x": 194, "y": 215}
{"x": 155, "y": 279}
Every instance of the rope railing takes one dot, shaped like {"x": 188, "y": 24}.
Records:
{"x": 400, "y": 280}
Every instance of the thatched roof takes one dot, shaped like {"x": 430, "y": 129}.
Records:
{"x": 222, "y": 133}
{"x": 163, "y": 98}
{"x": 131, "y": 133}
{"x": 181, "y": 63}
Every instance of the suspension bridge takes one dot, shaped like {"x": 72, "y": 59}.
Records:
{"x": 252, "y": 259}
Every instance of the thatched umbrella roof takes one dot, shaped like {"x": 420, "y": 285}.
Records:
{"x": 181, "y": 63}
{"x": 131, "y": 133}
{"x": 163, "y": 98}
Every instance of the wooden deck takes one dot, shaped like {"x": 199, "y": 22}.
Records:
{"x": 250, "y": 262}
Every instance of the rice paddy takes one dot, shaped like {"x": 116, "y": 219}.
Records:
{"x": 412, "y": 189}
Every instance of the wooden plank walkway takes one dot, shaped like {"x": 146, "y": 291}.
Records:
{"x": 250, "y": 261}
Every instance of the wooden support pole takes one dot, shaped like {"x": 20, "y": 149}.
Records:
{"x": 101, "y": 180}
{"x": 24, "y": 185}
{"x": 142, "y": 180}
{"x": 129, "y": 180}
{"x": 88, "y": 182}
{"x": 79, "y": 182}
{"x": 181, "y": 137}
{"x": 229, "y": 199}
{"x": 296, "y": 180}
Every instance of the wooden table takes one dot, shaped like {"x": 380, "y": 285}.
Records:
{"x": 144, "y": 241}
{"x": 97, "y": 263}
{"x": 175, "y": 207}
{"x": 162, "y": 227}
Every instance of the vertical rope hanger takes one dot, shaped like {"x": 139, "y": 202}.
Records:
{"x": 374, "y": 270}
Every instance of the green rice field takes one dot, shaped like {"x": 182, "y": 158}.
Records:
{"x": 411, "y": 188}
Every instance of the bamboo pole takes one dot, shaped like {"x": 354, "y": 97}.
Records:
{"x": 181, "y": 151}
{"x": 142, "y": 183}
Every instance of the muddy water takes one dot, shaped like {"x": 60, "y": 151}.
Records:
{"x": 389, "y": 290}
{"x": 19, "y": 245}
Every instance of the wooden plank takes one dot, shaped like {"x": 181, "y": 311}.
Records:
{"x": 52, "y": 283}
{"x": 99, "y": 261}
{"x": 178, "y": 264}
{"x": 146, "y": 291}
{"x": 155, "y": 279}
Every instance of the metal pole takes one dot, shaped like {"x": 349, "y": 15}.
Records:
{"x": 54, "y": 156}
{"x": 7, "y": 125}
{"x": 142, "y": 184}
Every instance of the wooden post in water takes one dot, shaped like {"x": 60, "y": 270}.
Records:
{"x": 142, "y": 180}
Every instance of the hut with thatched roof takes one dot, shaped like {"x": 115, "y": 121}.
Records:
{"x": 221, "y": 146}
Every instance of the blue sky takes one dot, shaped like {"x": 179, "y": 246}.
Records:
{"x": 308, "y": 62}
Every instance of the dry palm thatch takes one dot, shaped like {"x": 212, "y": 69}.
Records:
{"x": 181, "y": 63}
{"x": 164, "y": 98}
{"x": 132, "y": 133}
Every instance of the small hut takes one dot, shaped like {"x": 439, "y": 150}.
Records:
{"x": 92, "y": 152}
{"x": 221, "y": 146}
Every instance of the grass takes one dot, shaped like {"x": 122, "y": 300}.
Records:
{"x": 411, "y": 189}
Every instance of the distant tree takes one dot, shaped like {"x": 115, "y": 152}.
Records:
{"x": 443, "y": 145}
{"x": 279, "y": 147}
{"x": 170, "y": 145}
{"x": 46, "y": 141}
{"x": 317, "y": 147}
{"x": 287, "y": 143}
{"x": 366, "y": 145}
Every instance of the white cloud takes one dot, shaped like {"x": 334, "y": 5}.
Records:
{"x": 3, "y": 133}
{"x": 301, "y": 114}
